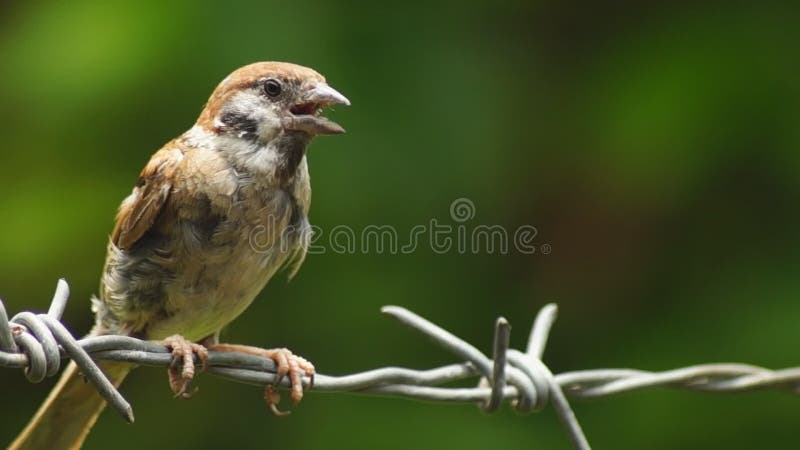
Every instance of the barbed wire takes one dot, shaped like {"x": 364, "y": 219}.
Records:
{"x": 38, "y": 342}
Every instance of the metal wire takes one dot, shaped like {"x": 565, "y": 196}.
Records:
{"x": 38, "y": 342}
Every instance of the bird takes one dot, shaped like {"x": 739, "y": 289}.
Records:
{"x": 213, "y": 216}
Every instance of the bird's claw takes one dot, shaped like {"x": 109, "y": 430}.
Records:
{"x": 272, "y": 397}
{"x": 294, "y": 366}
{"x": 287, "y": 364}
{"x": 182, "y": 368}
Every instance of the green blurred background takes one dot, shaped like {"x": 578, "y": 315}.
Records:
{"x": 655, "y": 149}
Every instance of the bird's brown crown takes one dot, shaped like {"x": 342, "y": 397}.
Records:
{"x": 247, "y": 76}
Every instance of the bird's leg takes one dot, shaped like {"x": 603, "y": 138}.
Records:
{"x": 288, "y": 364}
{"x": 181, "y": 369}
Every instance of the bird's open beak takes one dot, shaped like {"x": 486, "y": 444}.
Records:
{"x": 305, "y": 116}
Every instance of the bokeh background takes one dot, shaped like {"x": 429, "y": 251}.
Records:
{"x": 655, "y": 149}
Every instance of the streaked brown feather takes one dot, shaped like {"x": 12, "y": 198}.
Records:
{"x": 139, "y": 211}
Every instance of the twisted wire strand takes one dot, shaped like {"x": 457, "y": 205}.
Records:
{"x": 37, "y": 343}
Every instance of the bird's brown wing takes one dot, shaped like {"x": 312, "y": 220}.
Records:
{"x": 141, "y": 209}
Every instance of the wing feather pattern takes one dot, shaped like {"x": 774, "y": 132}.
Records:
{"x": 139, "y": 211}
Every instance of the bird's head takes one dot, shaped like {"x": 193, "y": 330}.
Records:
{"x": 267, "y": 100}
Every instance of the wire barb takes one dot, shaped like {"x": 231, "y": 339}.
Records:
{"x": 38, "y": 342}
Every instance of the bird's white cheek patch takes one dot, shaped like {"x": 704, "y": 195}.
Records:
{"x": 247, "y": 154}
{"x": 269, "y": 126}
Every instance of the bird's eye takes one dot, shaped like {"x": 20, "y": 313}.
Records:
{"x": 273, "y": 87}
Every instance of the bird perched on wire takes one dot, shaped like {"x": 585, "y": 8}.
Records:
{"x": 213, "y": 216}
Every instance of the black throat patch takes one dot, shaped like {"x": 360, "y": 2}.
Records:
{"x": 291, "y": 147}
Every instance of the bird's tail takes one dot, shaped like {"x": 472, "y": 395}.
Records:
{"x": 67, "y": 415}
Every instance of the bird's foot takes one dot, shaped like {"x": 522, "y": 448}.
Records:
{"x": 182, "y": 369}
{"x": 288, "y": 364}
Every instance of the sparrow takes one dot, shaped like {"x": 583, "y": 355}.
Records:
{"x": 214, "y": 215}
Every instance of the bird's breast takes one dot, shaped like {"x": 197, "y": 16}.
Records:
{"x": 229, "y": 261}
{"x": 204, "y": 266}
